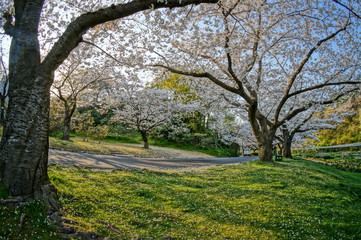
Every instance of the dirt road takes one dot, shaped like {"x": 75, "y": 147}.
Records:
{"x": 129, "y": 162}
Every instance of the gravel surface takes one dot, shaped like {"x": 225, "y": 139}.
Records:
{"x": 97, "y": 161}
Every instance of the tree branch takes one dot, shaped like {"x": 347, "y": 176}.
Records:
{"x": 349, "y": 9}
{"x": 299, "y": 70}
{"x": 306, "y": 107}
{"x": 201, "y": 75}
{"x": 74, "y": 32}
{"x": 321, "y": 86}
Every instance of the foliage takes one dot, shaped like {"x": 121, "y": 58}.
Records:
{"x": 179, "y": 85}
{"x": 287, "y": 200}
{"x": 147, "y": 109}
{"x": 56, "y": 117}
{"x": 84, "y": 124}
{"x": 101, "y": 132}
{"x": 347, "y": 132}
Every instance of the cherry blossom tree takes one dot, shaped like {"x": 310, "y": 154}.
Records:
{"x": 268, "y": 55}
{"x": 147, "y": 109}
{"x": 305, "y": 125}
{"x": 75, "y": 78}
{"x": 24, "y": 144}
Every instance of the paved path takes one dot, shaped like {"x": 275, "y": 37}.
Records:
{"x": 128, "y": 162}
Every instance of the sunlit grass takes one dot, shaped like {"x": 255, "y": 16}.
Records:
{"x": 113, "y": 147}
{"x": 283, "y": 200}
{"x": 287, "y": 200}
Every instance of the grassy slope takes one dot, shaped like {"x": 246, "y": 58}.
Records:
{"x": 287, "y": 200}
{"x": 119, "y": 147}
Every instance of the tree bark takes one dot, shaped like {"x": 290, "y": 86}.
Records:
{"x": 264, "y": 133}
{"x": 66, "y": 128}
{"x": 24, "y": 144}
{"x": 287, "y": 142}
{"x": 145, "y": 139}
{"x": 287, "y": 148}
{"x": 2, "y": 111}
{"x": 265, "y": 149}
{"x": 69, "y": 112}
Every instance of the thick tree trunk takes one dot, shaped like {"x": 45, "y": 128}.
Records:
{"x": 287, "y": 142}
{"x": 265, "y": 149}
{"x": 24, "y": 144}
{"x": 145, "y": 139}
{"x": 263, "y": 133}
{"x": 287, "y": 148}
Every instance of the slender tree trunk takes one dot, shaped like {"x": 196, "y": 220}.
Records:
{"x": 287, "y": 142}
{"x": 145, "y": 139}
{"x": 66, "y": 128}
{"x": 2, "y": 111}
{"x": 68, "y": 114}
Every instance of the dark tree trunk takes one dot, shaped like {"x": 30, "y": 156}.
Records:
{"x": 265, "y": 149}
{"x": 287, "y": 148}
{"x": 287, "y": 142}
{"x": 69, "y": 112}
{"x": 145, "y": 139}
{"x": 2, "y": 111}
{"x": 263, "y": 133}
{"x": 66, "y": 129}
{"x": 24, "y": 144}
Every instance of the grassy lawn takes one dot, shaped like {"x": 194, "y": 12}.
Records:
{"x": 284, "y": 200}
{"x": 128, "y": 146}
{"x": 118, "y": 147}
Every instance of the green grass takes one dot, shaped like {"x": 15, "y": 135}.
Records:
{"x": 76, "y": 143}
{"x": 26, "y": 222}
{"x": 284, "y": 200}
{"x": 225, "y": 152}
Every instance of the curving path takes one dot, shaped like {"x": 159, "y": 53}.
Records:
{"x": 98, "y": 161}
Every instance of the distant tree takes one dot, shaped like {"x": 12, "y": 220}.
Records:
{"x": 74, "y": 78}
{"x": 84, "y": 124}
{"x": 56, "y": 114}
{"x": 101, "y": 132}
{"x": 307, "y": 124}
{"x": 147, "y": 109}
